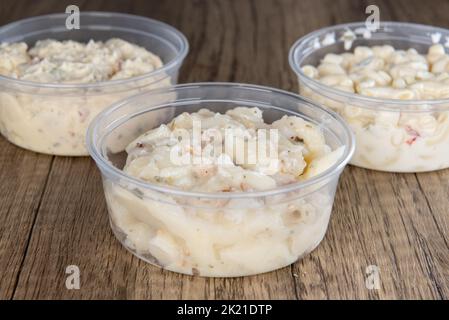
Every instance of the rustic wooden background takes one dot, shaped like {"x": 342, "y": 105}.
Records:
{"x": 52, "y": 211}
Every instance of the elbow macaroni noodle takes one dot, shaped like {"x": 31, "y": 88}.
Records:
{"x": 54, "y": 121}
{"x": 223, "y": 236}
{"x": 398, "y": 141}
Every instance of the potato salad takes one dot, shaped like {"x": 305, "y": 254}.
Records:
{"x": 220, "y": 231}
{"x": 409, "y": 139}
{"x": 49, "y": 108}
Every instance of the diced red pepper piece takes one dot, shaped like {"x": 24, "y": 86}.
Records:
{"x": 413, "y": 133}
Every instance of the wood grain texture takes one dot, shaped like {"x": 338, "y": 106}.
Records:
{"x": 53, "y": 214}
{"x": 23, "y": 177}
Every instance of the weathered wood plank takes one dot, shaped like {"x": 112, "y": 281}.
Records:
{"x": 397, "y": 222}
{"x": 23, "y": 176}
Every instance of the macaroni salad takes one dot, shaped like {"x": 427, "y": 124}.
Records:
{"x": 55, "y": 122}
{"x": 223, "y": 236}
{"x": 404, "y": 140}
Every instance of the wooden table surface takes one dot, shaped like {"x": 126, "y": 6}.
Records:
{"x": 53, "y": 213}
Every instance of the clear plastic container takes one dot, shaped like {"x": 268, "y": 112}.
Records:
{"x": 384, "y": 138}
{"x": 53, "y": 118}
{"x": 214, "y": 234}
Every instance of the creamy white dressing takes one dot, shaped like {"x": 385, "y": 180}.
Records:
{"x": 223, "y": 237}
{"x": 55, "y": 121}
{"x": 390, "y": 140}
{"x": 299, "y": 145}
{"x": 51, "y": 61}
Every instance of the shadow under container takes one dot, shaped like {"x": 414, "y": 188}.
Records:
{"x": 214, "y": 234}
{"x": 391, "y": 134}
{"x": 53, "y": 118}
